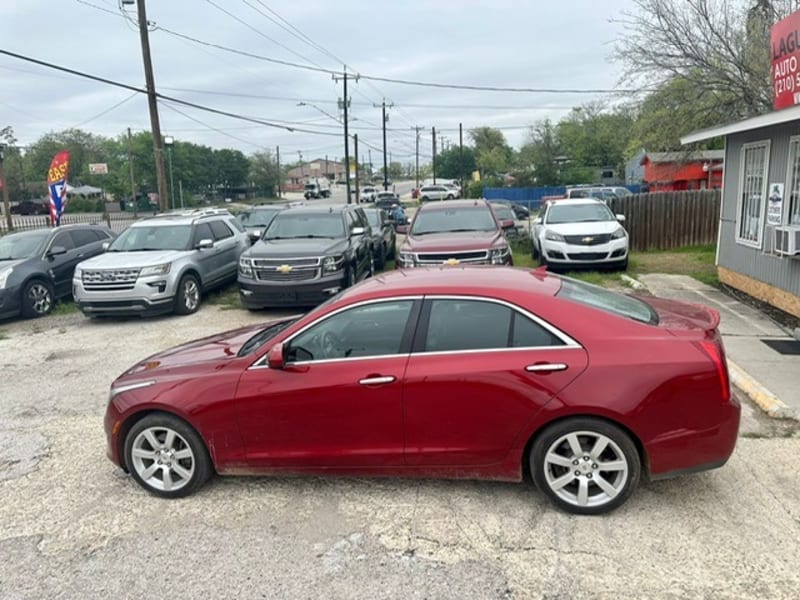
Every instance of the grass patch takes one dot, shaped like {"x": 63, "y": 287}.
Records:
{"x": 694, "y": 261}
{"x": 227, "y": 298}
{"x": 64, "y": 308}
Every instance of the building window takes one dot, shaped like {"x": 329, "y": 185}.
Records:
{"x": 792, "y": 196}
{"x": 753, "y": 191}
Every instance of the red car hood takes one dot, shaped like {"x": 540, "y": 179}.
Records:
{"x": 456, "y": 241}
{"x": 217, "y": 348}
{"x": 677, "y": 315}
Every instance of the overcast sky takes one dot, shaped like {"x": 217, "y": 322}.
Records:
{"x": 502, "y": 43}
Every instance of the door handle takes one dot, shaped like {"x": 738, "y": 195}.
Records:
{"x": 377, "y": 380}
{"x": 546, "y": 367}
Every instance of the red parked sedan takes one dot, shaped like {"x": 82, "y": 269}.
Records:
{"x": 447, "y": 372}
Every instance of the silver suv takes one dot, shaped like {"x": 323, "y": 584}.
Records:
{"x": 161, "y": 264}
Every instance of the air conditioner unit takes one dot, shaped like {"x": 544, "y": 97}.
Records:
{"x": 787, "y": 240}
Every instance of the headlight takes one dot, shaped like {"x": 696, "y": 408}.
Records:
{"x": 157, "y": 270}
{"x": 553, "y": 236}
{"x": 406, "y": 259}
{"x": 619, "y": 234}
{"x": 499, "y": 256}
{"x": 115, "y": 391}
{"x": 246, "y": 267}
{"x": 4, "y": 275}
{"x": 331, "y": 264}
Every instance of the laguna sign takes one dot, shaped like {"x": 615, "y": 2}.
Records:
{"x": 785, "y": 69}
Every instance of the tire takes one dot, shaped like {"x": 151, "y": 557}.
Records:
{"x": 534, "y": 251}
{"x": 187, "y": 299}
{"x": 424, "y": 199}
{"x": 166, "y": 456}
{"x": 391, "y": 254}
{"x": 564, "y": 476}
{"x": 543, "y": 261}
{"x": 449, "y": 197}
{"x": 38, "y": 299}
{"x": 348, "y": 278}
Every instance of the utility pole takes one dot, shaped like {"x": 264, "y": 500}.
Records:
{"x": 416, "y": 129}
{"x": 385, "y": 120}
{"x": 355, "y": 151}
{"x": 133, "y": 179}
{"x": 278, "y": 160}
{"x": 326, "y": 167}
{"x": 6, "y": 204}
{"x": 461, "y": 157}
{"x": 345, "y": 104}
{"x": 155, "y": 126}
{"x": 433, "y": 133}
{"x": 369, "y": 151}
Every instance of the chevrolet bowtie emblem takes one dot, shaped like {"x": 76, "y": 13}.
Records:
{"x": 451, "y": 262}
{"x": 285, "y": 269}
{"x": 587, "y": 240}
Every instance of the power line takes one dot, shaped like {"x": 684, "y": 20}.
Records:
{"x": 105, "y": 112}
{"x": 212, "y": 128}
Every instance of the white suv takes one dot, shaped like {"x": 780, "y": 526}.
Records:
{"x": 161, "y": 264}
{"x": 579, "y": 233}
{"x": 436, "y": 192}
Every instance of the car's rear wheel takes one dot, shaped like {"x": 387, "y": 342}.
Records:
{"x": 187, "y": 300}
{"x": 166, "y": 456}
{"x": 449, "y": 196}
{"x": 585, "y": 465}
{"x": 380, "y": 261}
{"x": 38, "y": 299}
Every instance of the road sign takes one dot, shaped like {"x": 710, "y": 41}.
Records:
{"x": 98, "y": 168}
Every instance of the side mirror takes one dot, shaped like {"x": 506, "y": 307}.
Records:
{"x": 205, "y": 244}
{"x": 56, "y": 250}
{"x": 275, "y": 357}
{"x": 105, "y": 246}
{"x": 254, "y": 236}
{"x": 538, "y": 221}
{"x": 621, "y": 218}
{"x": 357, "y": 231}
{"x": 402, "y": 229}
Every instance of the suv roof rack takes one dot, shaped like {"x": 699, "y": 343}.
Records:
{"x": 196, "y": 213}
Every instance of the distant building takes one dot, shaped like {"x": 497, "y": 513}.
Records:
{"x": 316, "y": 168}
{"x": 681, "y": 171}
{"x": 634, "y": 169}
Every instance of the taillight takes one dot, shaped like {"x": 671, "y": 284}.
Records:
{"x": 713, "y": 348}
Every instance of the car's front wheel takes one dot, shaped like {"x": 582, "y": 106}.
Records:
{"x": 188, "y": 297}
{"x": 166, "y": 456}
{"x": 585, "y": 465}
{"x": 38, "y": 299}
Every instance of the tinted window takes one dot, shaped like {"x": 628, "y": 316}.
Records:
{"x": 528, "y": 334}
{"x": 202, "y": 232}
{"x": 305, "y": 225}
{"x": 64, "y": 240}
{"x": 467, "y": 325}
{"x": 463, "y": 218}
{"x": 236, "y": 225}
{"x": 370, "y": 330}
{"x": 374, "y": 218}
{"x": 101, "y": 235}
{"x": 83, "y": 237}
{"x": 220, "y": 230}
{"x": 260, "y": 217}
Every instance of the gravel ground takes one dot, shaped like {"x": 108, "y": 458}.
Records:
{"x": 74, "y": 526}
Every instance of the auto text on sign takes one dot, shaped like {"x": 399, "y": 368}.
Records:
{"x": 785, "y": 68}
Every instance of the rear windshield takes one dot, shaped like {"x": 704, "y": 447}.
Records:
{"x": 606, "y": 300}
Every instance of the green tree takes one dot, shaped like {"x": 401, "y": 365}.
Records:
{"x": 539, "y": 159}
{"x": 264, "y": 173}
{"x": 593, "y": 137}
{"x": 493, "y": 155}
{"x": 448, "y": 163}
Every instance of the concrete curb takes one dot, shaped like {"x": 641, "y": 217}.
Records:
{"x": 631, "y": 282}
{"x": 761, "y": 396}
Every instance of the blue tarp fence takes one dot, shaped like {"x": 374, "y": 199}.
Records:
{"x": 531, "y": 197}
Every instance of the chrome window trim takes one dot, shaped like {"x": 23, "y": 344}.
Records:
{"x": 569, "y": 342}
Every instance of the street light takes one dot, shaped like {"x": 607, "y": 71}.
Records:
{"x": 169, "y": 142}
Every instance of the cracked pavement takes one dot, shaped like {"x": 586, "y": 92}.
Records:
{"x": 74, "y": 526}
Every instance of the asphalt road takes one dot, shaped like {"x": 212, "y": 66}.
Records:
{"x": 74, "y": 526}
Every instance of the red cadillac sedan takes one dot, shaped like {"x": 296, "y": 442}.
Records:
{"x": 458, "y": 372}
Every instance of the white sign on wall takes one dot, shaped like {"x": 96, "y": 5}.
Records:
{"x": 775, "y": 204}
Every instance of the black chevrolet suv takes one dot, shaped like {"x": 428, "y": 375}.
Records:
{"x": 306, "y": 255}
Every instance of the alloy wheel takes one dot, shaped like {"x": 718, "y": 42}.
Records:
{"x": 163, "y": 459}
{"x": 41, "y": 301}
{"x": 191, "y": 295}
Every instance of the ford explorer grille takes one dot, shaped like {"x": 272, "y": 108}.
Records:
{"x": 112, "y": 279}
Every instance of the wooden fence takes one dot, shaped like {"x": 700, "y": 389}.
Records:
{"x": 665, "y": 220}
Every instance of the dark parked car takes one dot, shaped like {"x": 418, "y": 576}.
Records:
{"x": 507, "y": 219}
{"x": 28, "y": 207}
{"x": 384, "y": 238}
{"x": 305, "y": 256}
{"x": 36, "y": 267}
{"x": 256, "y": 219}
{"x": 477, "y": 373}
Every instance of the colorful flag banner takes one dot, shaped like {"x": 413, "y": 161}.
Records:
{"x": 57, "y": 185}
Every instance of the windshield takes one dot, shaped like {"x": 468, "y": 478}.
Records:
{"x": 22, "y": 245}
{"x": 477, "y": 218}
{"x": 374, "y": 217}
{"x": 289, "y": 226}
{"x": 606, "y": 300}
{"x": 311, "y": 186}
{"x": 153, "y": 237}
{"x": 578, "y": 213}
{"x": 264, "y": 336}
{"x": 258, "y": 218}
